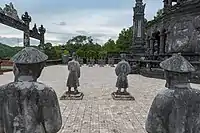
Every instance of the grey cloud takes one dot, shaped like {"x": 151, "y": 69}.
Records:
{"x": 61, "y": 23}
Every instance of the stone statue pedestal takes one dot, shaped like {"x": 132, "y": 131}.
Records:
{"x": 122, "y": 96}
{"x": 72, "y": 96}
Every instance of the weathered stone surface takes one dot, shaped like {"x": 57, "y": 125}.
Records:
{"x": 122, "y": 70}
{"x": 10, "y": 11}
{"x": 176, "y": 109}
{"x": 28, "y": 106}
{"x": 122, "y": 96}
{"x": 73, "y": 81}
{"x": 72, "y": 96}
{"x": 177, "y": 63}
{"x": 29, "y": 55}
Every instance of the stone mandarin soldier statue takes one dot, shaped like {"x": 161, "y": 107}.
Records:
{"x": 74, "y": 74}
{"x": 28, "y": 106}
{"x": 73, "y": 80}
{"x": 177, "y": 108}
{"x": 122, "y": 70}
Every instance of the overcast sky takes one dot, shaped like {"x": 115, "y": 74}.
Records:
{"x": 63, "y": 19}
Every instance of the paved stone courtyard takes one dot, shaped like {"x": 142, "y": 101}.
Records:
{"x": 97, "y": 112}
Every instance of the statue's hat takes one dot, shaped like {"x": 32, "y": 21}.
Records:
{"x": 177, "y": 63}
{"x": 29, "y": 55}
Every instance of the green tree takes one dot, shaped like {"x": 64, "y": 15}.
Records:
{"x": 124, "y": 40}
{"x": 80, "y": 53}
{"x": 159, "y": 14}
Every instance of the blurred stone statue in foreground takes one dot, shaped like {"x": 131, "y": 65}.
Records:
{"x": 122, "y": 70}
{"x": 177, "y": 108}
{"x": 28, "y": 106}
{"x": 73, "y": 80}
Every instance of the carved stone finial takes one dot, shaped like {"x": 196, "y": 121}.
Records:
{"x": 42, "y": 30}
{"x": 26, "y": 18}
{"x": 35, "y": 30}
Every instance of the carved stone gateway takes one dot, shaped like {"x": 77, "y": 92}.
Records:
{"x": 177, "y": 108}
{"x": 28, "y": 106}
{"x": 73, "y": 81}
{"x": 9, "y": 17}
{"x": 122, "y": 70}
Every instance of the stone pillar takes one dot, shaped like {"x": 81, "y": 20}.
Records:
{"x": 42, "y": 30}
{"x": 162, "y": 42}
{"x": 147, "y": 45}
{"x": 27, "y": 19}
{"x": 151, "y": 45}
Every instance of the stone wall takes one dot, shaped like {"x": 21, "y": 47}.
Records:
{"x": 181, "y": 24}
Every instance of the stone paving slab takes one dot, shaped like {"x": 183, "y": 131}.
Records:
{"x": 98, "y": 112}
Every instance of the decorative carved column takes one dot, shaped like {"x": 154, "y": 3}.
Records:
{"x": 27, "y": 19}
{"x": 42, "y": 31}
{"x": 152, "y": 45}
{"x": 162, "y": 42}
{"x": 147, "y": 44}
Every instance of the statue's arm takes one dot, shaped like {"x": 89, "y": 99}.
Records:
{"x": 117, "y": 70}
{"x": 154, "y": 122}
{"x": 51, "y": 112}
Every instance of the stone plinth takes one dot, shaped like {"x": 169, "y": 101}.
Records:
{"x": 122, "y": 96}
{"x": 72, "y": 96}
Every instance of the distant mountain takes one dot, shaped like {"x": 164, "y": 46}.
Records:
{"x": 6, "y": 52}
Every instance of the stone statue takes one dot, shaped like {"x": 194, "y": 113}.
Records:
{"x": 10, "y": 11}
{"x": 101, "y": 62}
{"x": 92, "y": 61}
{"x": 74, "y": 74}
{"x": 122, "y": 70}
{"x": 177, "y": 108}
{"x": 73, "y": 80}
{"x": 28, "y": 106}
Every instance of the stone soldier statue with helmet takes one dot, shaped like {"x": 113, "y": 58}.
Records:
{"x": 122, "y": 70}
{"x": 28, "y": 106}
{"x": 177, "y": 108}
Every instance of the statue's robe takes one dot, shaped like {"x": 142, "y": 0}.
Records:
{"x": 122, "y": 70}
{"x": 74, "y": 74}
{"x": 175, "y": 111}
{"x": 29, "y": 107}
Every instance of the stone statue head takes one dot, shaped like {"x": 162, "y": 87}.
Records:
{"x": 28, "y": 62}
{"x": 177, "y": 71}
{"x": 74, "y": 56}
{"x": 123, "y": 56}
